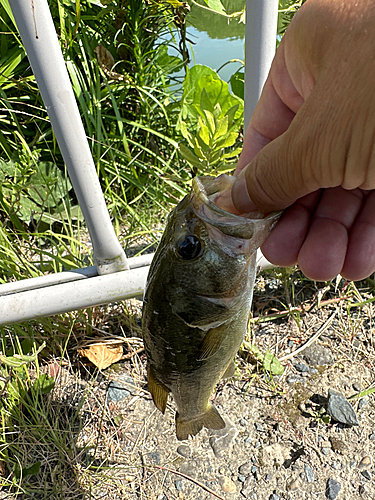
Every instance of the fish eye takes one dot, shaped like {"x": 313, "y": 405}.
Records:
{"x": 189, "y": 248}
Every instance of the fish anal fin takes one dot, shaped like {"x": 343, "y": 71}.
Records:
{"x": 210, "y": 419}
{"x": 158, "y": 391}
{"x": 229, "y": 372}
{"x": 211, "y": 342}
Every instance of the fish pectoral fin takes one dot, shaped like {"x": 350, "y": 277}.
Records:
{"x": 229, "y": 372}
{"x": 158, "y": 391}
{"x": 211, "y": 342}
{"x": 211, "y": 419}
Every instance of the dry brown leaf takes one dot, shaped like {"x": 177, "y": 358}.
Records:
{"x": 102, "y": 355}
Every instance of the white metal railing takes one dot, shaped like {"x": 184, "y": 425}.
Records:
{"x": 114, "y": 277}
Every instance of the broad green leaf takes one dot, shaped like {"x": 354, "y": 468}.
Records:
{"x": 221, "y": 127}
{"x": 197, "y": 149}
{"x": 272, "y": 364}
{"x": 237, "y": 82}
{"x": 210, "y": 120}
{"x": 215, "y": 5}
{"x": 205, "y": 102}
{"x": 44, "y": 384}
{"x": 189, "y": 156}
{"x": 204, "y": 133}
{"x": 228, "y": 141}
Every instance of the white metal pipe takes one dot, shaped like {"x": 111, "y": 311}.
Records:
{"x": 66, "y": 297}
{"x": 260, "y": 43}
{"x": 34, "y": 22}
{"x": 66, "y": 276}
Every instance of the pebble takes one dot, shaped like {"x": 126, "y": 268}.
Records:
{"x": 372, "y": 436}
{"x": 258, "y": 426}
{"x": 178, "y": 485}
{"x": 325, "y": 451}
{"x": 227, "y": 485}
{"x": 293, "y": 379}
{"x": 274, "y": 496}
{"x": 357, "y": 386}
{"x": 337, "y": 444}
{"x": 120, "y": 388}
{"x": 365, "y": 463}
{"x": 336, "y": 465}
{"x": 366, "y": 474}
{"x": 258, "y": 444}
{"x": 243, "y": 422}
{"x": 245, "y": 469}
{"x": 332, "y": 489}
{"x": 309, "y": 473}
{"x": 352, "y": 463}
{"x": 184, "y": 450}
{"x": 248, "y": 487}
{"x": 221, "y": 440}
{"x": 247, "y": 440}
{"x": 301, "y": 367}
{"x": 241, "y": 478}
{"x": 294, "y": 485}
{"x": 361, "y": 489}
{"x": 317, "y": 355}
{"x": 362, "y": 402}
{"x": 340, "y": 409}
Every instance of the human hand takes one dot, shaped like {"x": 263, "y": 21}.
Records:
{"x": 311, "y": 143}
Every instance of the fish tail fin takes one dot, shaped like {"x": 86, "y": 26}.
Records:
{"x": 210, "y": 419}
{"x": 158, "y": 391}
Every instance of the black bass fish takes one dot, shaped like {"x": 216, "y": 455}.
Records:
{"x": 197, "y": 302}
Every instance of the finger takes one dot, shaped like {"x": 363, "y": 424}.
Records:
{"x": 323, "y": 252}
{"x": 286, "y": 239}
{"x": 274, "y": 112}
{"x": 360, "y": 258}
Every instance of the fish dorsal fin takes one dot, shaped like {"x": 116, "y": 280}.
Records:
{"x": 210, "y": 419}
{"x": 211, "y": 342}
{"x": 229, "y": 372}
{"x": 158, "y": 391}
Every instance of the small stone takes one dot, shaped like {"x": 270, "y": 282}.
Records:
{"x": 221, "y": 441}
{"x": 248, "y": 487}
{"x": 338, "y": 445}
{"x": 317, "y": 355}
{"x": 340, "y": 409}
{"x": 294, "y": 484}
{"x": 362, "y": 489}
{"x": 325, "y": 451}
{"x": 365, "y": 463}
{"x": 314, "y": 371}
{"x": 258, "y": 426}
{"x": 241, "y": 478}
{"x": 184, "y": 450}
{"x": 372, "y": 436}
{"x": 366, "y": 474}
{"x": 254, "y": 468}
{"x": 247, "y": 440}
{"x": 290, "y": 343}
{"x": 178, "y": 485}
{"x": 336, "y": 465}
{"x": 294, "y": 379}
{"x": 332, "y": 489}
{"x": 352, "y": 464}
{"x": 301, "y": 367}
{"x": 120, "y": 388}
{"x": 268, "y": 477}
{"x": 309, "y": 473}
{"x": 258, "y": 444}
{"x": 274, "y": 496}
{"x": 227, "y": 485}
{"x": 357, "y": 386}
{"x": 243, "y": 422}
{"x": 245, "y": 469}
{"x": 362, "y": 402}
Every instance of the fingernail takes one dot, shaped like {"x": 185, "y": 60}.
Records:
{"x": 240, "y": 194}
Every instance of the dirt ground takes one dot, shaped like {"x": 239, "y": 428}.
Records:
{"x": 280, "y": 442}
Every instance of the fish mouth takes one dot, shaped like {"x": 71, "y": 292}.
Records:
{"x": 252, "y": 226}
